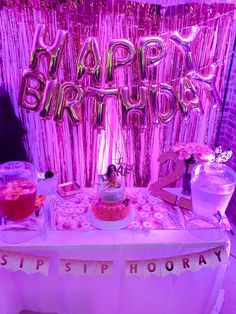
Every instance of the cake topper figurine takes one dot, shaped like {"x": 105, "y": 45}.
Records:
{"x": 111, "y": 203}
{"x": 111, "y": 177}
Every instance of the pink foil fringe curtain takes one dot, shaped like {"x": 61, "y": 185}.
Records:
{"x": 81, "y": 152}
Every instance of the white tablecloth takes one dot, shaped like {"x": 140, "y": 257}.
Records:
{"x": 194, "y": 293}
{"x": 191, "y": 292}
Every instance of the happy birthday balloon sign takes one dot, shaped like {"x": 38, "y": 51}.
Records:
{"x": 54, "y": 99}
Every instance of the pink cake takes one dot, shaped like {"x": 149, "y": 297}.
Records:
{"x": 110, "y": 211}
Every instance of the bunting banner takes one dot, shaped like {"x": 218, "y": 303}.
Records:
{"x": 178, "y": 264}
{"x": 85, "y": 267}
{"x": 161, "y": 267}
{"x": 29, "y": 264}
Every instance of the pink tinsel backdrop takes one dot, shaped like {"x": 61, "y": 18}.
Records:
{"x": 81, "y": 151}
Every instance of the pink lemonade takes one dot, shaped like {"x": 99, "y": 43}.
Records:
{"x": 17, "y": 199}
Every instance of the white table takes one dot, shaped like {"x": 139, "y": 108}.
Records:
{"x": 188, "y": 293}
{"x": 191, "y": 292}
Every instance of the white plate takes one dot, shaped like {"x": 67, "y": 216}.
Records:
{"x": 110, "y": 225}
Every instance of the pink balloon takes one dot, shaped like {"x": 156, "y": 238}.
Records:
{"x": 70, "y": 99}
{"x": 90, "y": 47}
{"x": 53, "y": 52}
{"x": 49, "y": 99}
{"x": 129, "y": 107}
{"x": 184, "y": 44}
{"x": 209, "y": 83}
{"x": 113, "y": 61}
{"x": 30, "y": 95}
{"x": 101, "y": 95}
{"x": 146, "y": 56}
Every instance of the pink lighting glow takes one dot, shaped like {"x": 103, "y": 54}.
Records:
{"x": 81, "y": 143}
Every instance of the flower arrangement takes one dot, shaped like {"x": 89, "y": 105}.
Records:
{"x": 194, "y": 151}
{"x": 222, "y": 156}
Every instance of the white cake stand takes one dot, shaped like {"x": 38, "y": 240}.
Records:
{"x": 110, "y": 225}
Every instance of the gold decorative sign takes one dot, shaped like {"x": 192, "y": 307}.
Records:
{"x": 156, "y": 188}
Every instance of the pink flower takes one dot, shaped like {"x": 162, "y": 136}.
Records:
{"x": 199, "y": 151}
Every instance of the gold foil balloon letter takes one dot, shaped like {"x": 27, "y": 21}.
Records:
{"x": 90, "y": 52}
{"x": 53, "y": 51}
{"x": 32, "y": 86}
{"x": 152, "y": 51}
{"x": 113, "y": 61}
{"x": 69, "y": 99}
